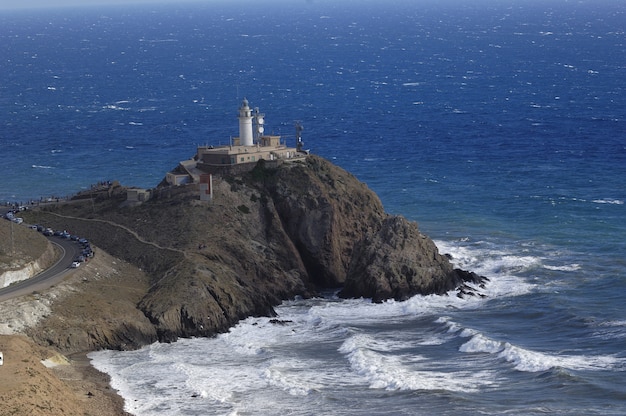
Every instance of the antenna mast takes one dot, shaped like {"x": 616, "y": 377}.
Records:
{"x": 299, "y": 142}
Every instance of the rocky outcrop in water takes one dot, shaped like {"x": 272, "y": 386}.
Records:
{"x": 396, "y": 261}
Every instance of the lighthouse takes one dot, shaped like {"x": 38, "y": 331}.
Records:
{"x": 245, "y": 124}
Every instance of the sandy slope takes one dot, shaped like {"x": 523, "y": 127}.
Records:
{"x": 65, "y": 387}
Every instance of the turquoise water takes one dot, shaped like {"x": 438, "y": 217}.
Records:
{"x": 500, "y": 129}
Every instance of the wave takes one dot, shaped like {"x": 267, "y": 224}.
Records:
{"x": 294, "y": 377}
{"x": 158, "y": 40}
{"x": 610, "y": 330}
{"x": 565, "y": 268}
{"x": 406, "y": 372}
{"x": 609, "y": 201}
{"x": 487, "y": 258}
{"x": 527, "y": 360}
{"x": 42, "y": 167}
{"x": 115, "y": 107}
{"x": 502, "y": 267}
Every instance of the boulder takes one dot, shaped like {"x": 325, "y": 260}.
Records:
{"x": 396, "y": 261}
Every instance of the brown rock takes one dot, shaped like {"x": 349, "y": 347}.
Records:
{"x": 324, "y": 211}
{"x": 397, "y": 262}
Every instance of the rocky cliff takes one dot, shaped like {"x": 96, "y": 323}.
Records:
{"x": 268, "y": 235}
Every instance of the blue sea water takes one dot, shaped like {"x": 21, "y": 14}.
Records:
{"x": 499, "y": 126}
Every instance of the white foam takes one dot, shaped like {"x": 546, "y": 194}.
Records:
{"x": 500, "y": 266}
{"x": 565, "y": 268}
{"x": 454, "y": 328}
{"x": 613, "y": 323}
{"x": 219, "y": 383}
{"x": 406, "y": 372}
{"x": 115, "y": 107}
{"x": 297, "y": 377}
{"x": 325, "y": 316}
{"x": 511, "y": 263}
{"x": 487, "y": 260}
{"x": 609, "y": 201}
{"x": 480, "y": 343}
{"x": 532, "y": 361}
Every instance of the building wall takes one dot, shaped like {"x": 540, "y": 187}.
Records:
{"x": 138, "y": 195}
{"x": 247, "y": 155}
{"x": 236, "y": 169}
{"x": 176, "y": 178}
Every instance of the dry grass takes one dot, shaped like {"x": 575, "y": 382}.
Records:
{"x": 19, "y": 245}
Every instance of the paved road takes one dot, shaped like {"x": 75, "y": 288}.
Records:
{"x": 51, "y": 276}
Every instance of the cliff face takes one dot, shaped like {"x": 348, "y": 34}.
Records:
{"x": 324, "y": 211}
{"x": 23, "y": 253}
{"x": 267, "y": 236}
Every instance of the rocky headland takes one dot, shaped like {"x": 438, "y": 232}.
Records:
{"x": 175, "y": 266}
{"x": 268, "y": 235}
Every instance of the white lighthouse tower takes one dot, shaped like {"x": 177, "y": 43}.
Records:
{"x": 245, "y": 124}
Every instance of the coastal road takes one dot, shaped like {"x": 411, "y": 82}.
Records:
{"x": 49, "y": 277}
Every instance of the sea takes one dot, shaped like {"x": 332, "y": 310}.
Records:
{"x": 499, "y": 126}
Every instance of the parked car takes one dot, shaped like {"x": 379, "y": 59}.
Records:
{"x": 75, "y": 264}
{"x": 18, "y": 220}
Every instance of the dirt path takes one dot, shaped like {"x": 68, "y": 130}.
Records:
{"x": 132, "y": 232}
